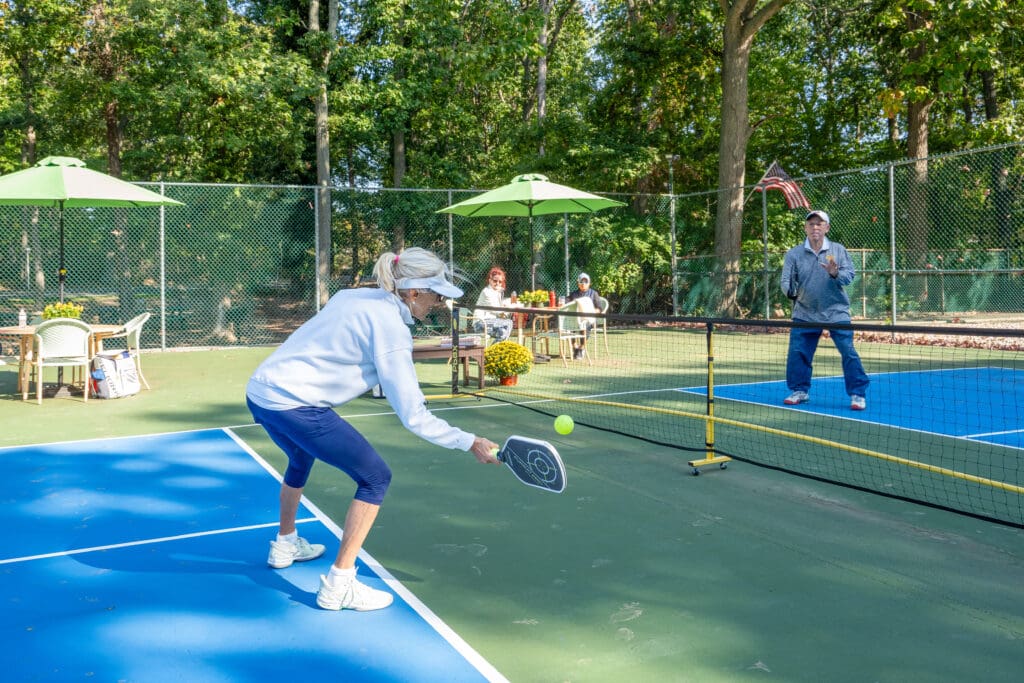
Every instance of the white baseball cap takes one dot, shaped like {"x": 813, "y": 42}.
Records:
{"x": 820, "y": 214}
{"x": 582, "y": 277}
{"x": 435, "y": 283}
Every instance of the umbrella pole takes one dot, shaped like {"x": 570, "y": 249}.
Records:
{"x": 61, "y": 271}
{"x": 533, "y": 257}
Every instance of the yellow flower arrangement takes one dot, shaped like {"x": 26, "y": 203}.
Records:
{"x": 62, "y": 310}
{"x": 507, "y": 359}
{"x": 538, "y": 297}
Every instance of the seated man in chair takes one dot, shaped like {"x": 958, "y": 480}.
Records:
{"x": 584, "y": 292}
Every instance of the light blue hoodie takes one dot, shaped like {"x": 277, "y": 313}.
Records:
{"x": 359, "y": 339}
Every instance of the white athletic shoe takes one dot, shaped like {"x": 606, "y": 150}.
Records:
{"x": 858, "y": 403}
{"x": 796, "y": 398}
{"x": 351, "y": 594}
{"x": 283, "y": 553}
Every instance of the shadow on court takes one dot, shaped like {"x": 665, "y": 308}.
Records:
{"x": 638, "y": 572}
{"x": 144, "y": 559}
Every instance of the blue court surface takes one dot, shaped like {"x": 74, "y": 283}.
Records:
{"x": 968, "y": 403}
{"x": 144, "y": 559}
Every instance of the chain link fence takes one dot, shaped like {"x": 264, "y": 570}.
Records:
{"x": 236, "y": 265}
{"x": 930, "y": 238}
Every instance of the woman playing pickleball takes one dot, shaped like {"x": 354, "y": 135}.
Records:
{"x": 359, "y": 339}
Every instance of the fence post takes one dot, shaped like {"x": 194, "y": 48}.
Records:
{"x": 451, "y": 239}
{"x": 316, "y": 249}
{"x": 863, "y": 283}
{"x": 764, "y": 233}
{"x": 565, "y": 257}
{"x": 163, "y": 279}
{"x": 672, "y": 222}
{"x": 892, "y": 240}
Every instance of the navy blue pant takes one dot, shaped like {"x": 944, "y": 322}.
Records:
{"x": 310, "y": 434}
{"x": 803, "y": 342}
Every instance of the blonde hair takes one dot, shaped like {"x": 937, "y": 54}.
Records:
{"x": 414, "y": 262}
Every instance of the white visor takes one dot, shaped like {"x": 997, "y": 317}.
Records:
{"x": 436, "y": 283}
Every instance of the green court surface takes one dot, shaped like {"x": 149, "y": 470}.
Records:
{"x": 639, "y": 571}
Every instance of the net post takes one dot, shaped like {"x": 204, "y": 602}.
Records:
{"x": 709, "y": 425}
{"x": 455, "y": 348}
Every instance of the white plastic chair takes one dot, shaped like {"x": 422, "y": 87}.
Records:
{"x": 601, "y": 326}
{"x": 586, "y": 324}
{"x": 132, "y": 334}
{"x": 60, "y": 342}
{"x": 570, "y": 330}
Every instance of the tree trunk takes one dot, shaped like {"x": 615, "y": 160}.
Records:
{"x": 542, "y": 73}
{"x": 917, "y": 184}
{"x": 744, "y": 18}
{"x": 323, "y": 152}
{"x": 732, "y": 161}
{"x": 398, "y": 176}
{"x": 1002, "y": 196}
{"x": 30, "y": 236}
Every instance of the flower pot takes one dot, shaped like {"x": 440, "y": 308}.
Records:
{"x": 509, "y": 381}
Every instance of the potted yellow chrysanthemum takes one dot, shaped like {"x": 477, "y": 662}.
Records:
{"x": 64, "y": 309}
{"x": 506, "y": 360}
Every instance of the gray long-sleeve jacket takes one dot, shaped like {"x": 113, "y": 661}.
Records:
{"x": 817, "y": 296}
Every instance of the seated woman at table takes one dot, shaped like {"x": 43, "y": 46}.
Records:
{"x": 584, "y": 291}
{"x": 493, "y": 323}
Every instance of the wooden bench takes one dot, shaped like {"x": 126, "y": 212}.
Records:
{"x": 466, "y": 353}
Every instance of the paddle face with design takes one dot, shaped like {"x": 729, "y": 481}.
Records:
{"x": 534, "y": 462}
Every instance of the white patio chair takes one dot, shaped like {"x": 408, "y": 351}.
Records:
{"x": 569, "y": 330}
{"x": 132, "y": 335}
{"x": 60, "y": 342}
{"x": 601, "y": 326}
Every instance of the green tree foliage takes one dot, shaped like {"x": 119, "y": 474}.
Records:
{"x": 444, "y": 93}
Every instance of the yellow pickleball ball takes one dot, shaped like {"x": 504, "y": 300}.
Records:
{"x": 564, "y": 424}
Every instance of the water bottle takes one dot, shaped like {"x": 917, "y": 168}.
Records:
{"x": 22, "y": 318}
{"x": 515, "y": 299}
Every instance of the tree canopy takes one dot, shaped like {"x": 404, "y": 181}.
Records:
{"x": 445, "y": 93}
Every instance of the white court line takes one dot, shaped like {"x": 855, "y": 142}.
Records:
{"x": 147, "y": 541}
{"x": 865, "y": 418}
{"x": 982, "y": 435}
{"x": 454, "y": 639}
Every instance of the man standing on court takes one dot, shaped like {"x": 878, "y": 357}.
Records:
{"x": 813, "y": 277}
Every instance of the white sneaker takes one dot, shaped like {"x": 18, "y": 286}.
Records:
{"x": 283, "y": 553}
{"x": 858, "y": 403}
{"x": 351, "y": 594}
{"x": 796, "y": 398}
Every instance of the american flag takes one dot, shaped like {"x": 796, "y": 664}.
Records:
{"x": 777, "y": 179}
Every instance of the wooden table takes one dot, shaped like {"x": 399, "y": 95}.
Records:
{"x": 534, "y": 325}
{"x": 466, "y": 353}
{"x": 26, "y": 336}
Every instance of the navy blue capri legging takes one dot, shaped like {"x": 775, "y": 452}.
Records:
{"x": 310, "y": 434}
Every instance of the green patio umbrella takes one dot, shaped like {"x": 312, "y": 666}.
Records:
{"x": 531, "y": 194}
{"x": 65, "y": 182}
